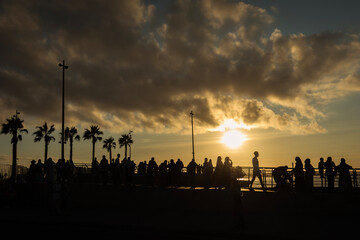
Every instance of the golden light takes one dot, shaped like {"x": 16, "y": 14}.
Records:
{"x": 233, "y": 138}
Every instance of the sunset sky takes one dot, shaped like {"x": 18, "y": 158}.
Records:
{"x": 283, "y": 74}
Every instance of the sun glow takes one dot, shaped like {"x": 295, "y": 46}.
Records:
{"x": 233, "y": 138}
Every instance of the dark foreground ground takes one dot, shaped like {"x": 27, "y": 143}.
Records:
{"x": 92, "y": 211}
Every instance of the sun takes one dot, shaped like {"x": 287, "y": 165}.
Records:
{"x": 233, "y": 139}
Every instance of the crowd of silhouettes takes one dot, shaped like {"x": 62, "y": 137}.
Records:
{"x": 171, "y": 173}
{"x": 304, "y": 175}
{"x": 120, "y": 172}
{"x": 51, "y": 172}
{"x": 167, "y": 173}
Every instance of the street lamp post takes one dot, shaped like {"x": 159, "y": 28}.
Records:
{"x": 192, "y": 133}
{"x": 63, "y": 107}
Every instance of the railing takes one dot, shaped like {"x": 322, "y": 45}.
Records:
{"x": 266, "y": 173}
{"x": 5, "y": 170}
{"x": 268, "y": 180}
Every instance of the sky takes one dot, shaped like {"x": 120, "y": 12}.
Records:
{"x": 285, "y": 74}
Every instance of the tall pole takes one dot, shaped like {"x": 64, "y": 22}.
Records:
{"x": 14, "y": 161}
{"x": 130, "y": 143}
{"x": 63, "y": 108}
{"x": 192, "y": 133}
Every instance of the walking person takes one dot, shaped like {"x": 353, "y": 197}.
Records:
{"x": 256, "y": 171}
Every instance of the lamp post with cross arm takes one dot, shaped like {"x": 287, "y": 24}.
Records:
{"x": 63, "y": 107}
{"x": 192, "y": 134}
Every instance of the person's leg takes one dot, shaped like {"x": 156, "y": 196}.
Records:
{"x": 261, "y": 182}
{"x": 252, "y": 180}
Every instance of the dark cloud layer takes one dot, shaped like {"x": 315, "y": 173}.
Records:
{"x": 132, "y": 65}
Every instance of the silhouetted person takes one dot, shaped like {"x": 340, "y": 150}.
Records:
{"x": 60, "y": 170}
{"x": 179, "y": 165}
{"x": 103, "y": 168}
{"x": 218, "y": 173}
{"x": 191, "y": 172}
{"x": 142, "y": 171}
{"x": 309, "y": 174}
{"x": 299, "y": 174}
{"x": 282, "y": 178}
{"x": 151, "y": 171}
{"x": 172, "y": 172}
{"x": 39, "y": 171}
{"x": 199, "y": 170}
{"x": 163, "y": 174}
{"x": 227, "y": 172}
{"x": 345, "y": 183}
{"x": 94, "y": 168}
{"x": 330, "y": 173}
{"x": 256, "y": 170}
{"x": 32, "y": 172}
{"x": 115, "y": 169}
{"x": 50, "y": 172}
{"x": 129, "y": 167}
{"x": 69, "y": 170}
{"x": 208, "y": 170}
{"x": 321, "y": 170}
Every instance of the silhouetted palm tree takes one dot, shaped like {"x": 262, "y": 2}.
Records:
{"x": 94, "y": 134}
{"x": 71, "y": 135}
{"x": 125, "y": 141}
{"x": 44, "y": 132}
{"x": 109, "y": 143}
{"x": 13, "y": 126}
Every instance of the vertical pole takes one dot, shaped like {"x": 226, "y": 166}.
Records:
{"x": 63, "y": 112}
{"x": 14, "y": 160}
{"x": 192, "y": 133}
{"x": 63, "y": 108}
{"x": 130, "y": 143}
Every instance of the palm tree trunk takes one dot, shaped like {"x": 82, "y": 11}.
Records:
{"x": 125, "y": 151}
{"x": 71, "y": 149}
{"x": 46, "y": 151}
{"x": 110, "y": 155}
{"x": 13, "y": 169}
{"x": 93, "y": 151}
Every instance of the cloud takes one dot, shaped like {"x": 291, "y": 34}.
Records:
{"x": 133, "y": 65}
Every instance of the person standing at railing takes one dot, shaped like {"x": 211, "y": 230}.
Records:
{"x": 179, "y": 165}
{"x": 330, "y": 173}
{"x": 227, "y": 172}
{"x": 309, "y": 174}
{"x": 321, "y": 170}
{"x": 218, "y": 173}
{"x": 344, "y": 176}
{"x": 151, "y": 171}
{"x": 208, "y": 171}
{"x": 191, "y": 172}
{"x": 299, "y": 174}
{"x": 256, "y": 171}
